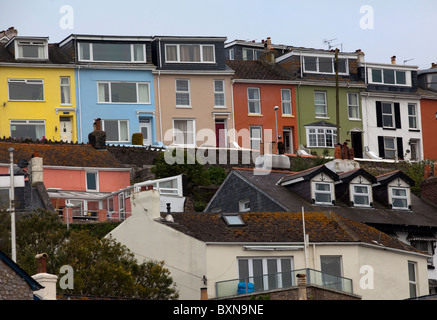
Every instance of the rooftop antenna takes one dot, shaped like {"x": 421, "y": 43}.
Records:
{"x": 408, "y": 60}
{"x": 330, "y": 46}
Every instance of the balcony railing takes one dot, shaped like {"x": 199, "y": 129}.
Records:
{"x": 281, "y": 280}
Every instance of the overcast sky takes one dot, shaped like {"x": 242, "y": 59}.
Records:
{"x": 381, "y": 29}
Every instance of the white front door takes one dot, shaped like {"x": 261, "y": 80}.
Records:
{"x": 146, "y": 130}
{"x": 66, "y": 129}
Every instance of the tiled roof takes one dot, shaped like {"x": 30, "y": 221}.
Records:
{"x": 282, "y": 227}
{"x": 257, "y": 70}
{"x": 74, "y": 155}
{"x": 422, "y": 214}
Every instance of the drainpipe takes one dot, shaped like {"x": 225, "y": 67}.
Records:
{"x": 159, "y": 90}
{"x": 12, "y": 205}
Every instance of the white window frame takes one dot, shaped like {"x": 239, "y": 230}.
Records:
{"x": 319, "y": 131}
{"x": 324, "y": 105}
{"x": 286, "y": 103}
{"x": 264, "y": 263}
{"x": 178, "y": 53}
{"x": 188, "y": 92}
{"x": 256, "y": 53}
{"x": 382, "y": 82}
{"x": 317, "y": 57}
{"x": 391, "y": 114}
{"x": 350, "y": 105}
{"x": 366, "y": 194}
{"x": 193, "y": 133}
{"x": 91, "y": 53}
{"x": 221, "y": 93}
{"x": 109, "y": 83}
{"x": 252, "y": 138}
{"x": 330, "y": 192}
{"x": 68, "y": 89}
{"x": 36, "y": 43}
{"x": 119, "y": 129}
{"x": 257, "y": 101}
{"x": 27, "y": 122}
{"x": 242, "y": 205}
{"x": 413, "y": 116}
{"x": 412, "y": 282}
{"x": 96, "y": 173}
{"x": 390, "y": 149}
{"x": 394, "y": 197}
{"x": 28, "y": 82}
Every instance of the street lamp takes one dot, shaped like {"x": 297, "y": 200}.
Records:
{"x": 12, "y": 205}
{"x": 276, "y": 120}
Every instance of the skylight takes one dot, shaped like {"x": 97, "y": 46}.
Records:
{"x": 233, "y": 220}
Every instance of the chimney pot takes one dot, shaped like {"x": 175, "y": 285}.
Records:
{"x": 393, "y": 60}
{"x": 41, "y": 262}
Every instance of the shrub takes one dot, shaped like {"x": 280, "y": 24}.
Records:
{"x": 137, "y": 139}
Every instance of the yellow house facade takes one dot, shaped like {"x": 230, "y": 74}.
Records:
{"x": 37, "y": 103}
{"x": 37, "y": 93}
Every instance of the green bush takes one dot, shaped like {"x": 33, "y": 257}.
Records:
{"x": 137, "y": 139}
{"x": 216, "y": 175}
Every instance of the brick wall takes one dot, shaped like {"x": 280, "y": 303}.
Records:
{"x": 429, "y": 190}
{"x": 12, "y": 285}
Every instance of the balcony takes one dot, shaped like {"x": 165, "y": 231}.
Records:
{"x": 281, "y": 280}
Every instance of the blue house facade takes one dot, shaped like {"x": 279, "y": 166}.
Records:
{"x": 114, "y": 83}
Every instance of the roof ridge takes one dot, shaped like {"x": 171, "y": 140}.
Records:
{"x": 339, "y": 220}
{"x": 386, "y": 174}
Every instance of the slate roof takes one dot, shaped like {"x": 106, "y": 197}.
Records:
{"x": 282, "y": 227}
{"x": 257, "y": 70}
{"x": 390, "y": 176}
{"x": 350, "y": 175}
{"x": 422, "y": 213}
{"x": 33, "y": 284}
{"x": 74, "y": 155}
{"x": 309, "y": 174}
{"x": 56, "y": 56}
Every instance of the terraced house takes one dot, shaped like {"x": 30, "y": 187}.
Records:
{"x": 115, "y": 84}
{"x": 37, "y": 90}
{"x": 193, "y": 91}
{"x": 316, "y": 96}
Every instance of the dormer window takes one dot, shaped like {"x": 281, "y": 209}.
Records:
{"x": 361, "y": 195}
{"x": 188, "y": 53}
{"x": 323, "y": 192}
{"x": 389, "y": 76}
{"x": 34, "y": 50}
{"x": 399, "y": 198}
{"x": 326, "y": 65}
{"x": 112, "y": 52}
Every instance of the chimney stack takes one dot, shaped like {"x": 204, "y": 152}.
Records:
{"x": 302, "y": 286}
{"x": 433, "y": 65}
{"x": 393, "y": 60}
{"x": 48, "y": 281}
{"x": 36, "y": 164}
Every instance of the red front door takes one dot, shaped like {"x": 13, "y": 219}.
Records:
{"x": 220, "y": 134}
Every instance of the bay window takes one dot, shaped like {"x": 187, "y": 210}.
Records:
{"x": 321, "y": 137}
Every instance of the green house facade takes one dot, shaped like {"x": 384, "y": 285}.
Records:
{"x": 316, "y": 99}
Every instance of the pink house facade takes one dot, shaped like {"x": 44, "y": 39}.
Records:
{"x": 78, "y": 178}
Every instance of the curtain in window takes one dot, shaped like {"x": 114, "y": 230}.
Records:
{"x": 184, "y": 131}
{"x": 103, "y": 92}
{"x": 138, "y": 52}
{"x": 172, "y": 53}
{"x": 40, "y": 131}
{"x": 124, "y": 132}
{"x": 65, "y": 90}
{"x": 320, "y": 103}
{"x": 190, "y": 53}
{"x": 143, "y": 93}
{"x": 208, "y": 53}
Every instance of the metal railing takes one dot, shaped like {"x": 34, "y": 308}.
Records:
{"x": 281, "y": 280}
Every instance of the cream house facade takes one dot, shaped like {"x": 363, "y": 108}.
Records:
{"x": 216, "y": 251}
{"x": 193, "y": 89}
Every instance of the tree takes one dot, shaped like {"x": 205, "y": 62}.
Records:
{"x": 102, "y": 266}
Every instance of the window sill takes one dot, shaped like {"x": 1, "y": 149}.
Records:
{"x": 320, "y": 117}
{"x": 414, "y": 130}
{"x": 288, "y": 116}
{"x": 184, "y": 107}
{"x": 354, "y": 119}
{"x": 386, "y": 128}
{"x": 255, "y": 115}
{"x": 220, "y": 107}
